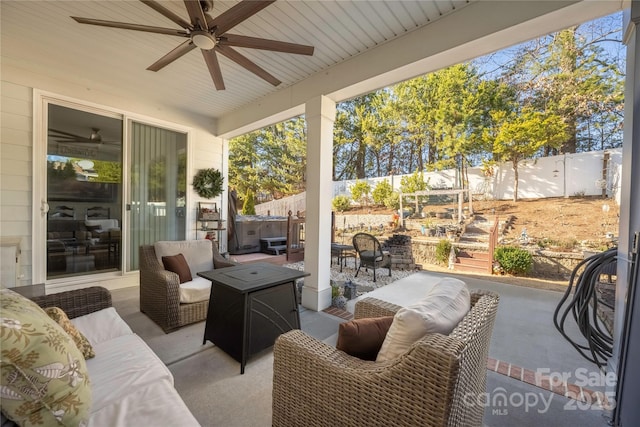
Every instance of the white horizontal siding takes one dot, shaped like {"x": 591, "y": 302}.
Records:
{"x": 15, "y": 212}
{"x": 16, "y": 183}
{"x": 16, "y": 136}
{"x": 15, "y": 121}
{"x": 16, "y": 108}
{"x": 16, "y": 152}
{"x": 13, "y": 167}
{"x": 12, "y": 198}
{"x": 14, "y": 91}
{"x": 18, "y": 228}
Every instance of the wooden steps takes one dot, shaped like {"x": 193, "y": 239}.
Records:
{"x": 478, "y": 262}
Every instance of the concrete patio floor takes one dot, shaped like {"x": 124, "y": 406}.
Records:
{"x": 525, "y": 349}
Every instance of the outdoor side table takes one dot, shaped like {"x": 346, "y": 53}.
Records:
{"x": 250, "y": 305}
{"x": 342, "y": 252}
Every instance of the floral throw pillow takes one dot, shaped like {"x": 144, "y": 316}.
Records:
{"x": 60, "y": 317}
{"x": 43, "y": 376}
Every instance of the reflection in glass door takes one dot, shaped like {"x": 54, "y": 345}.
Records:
{"x": 84, "y": 192}
{"x": 158, "y": 187}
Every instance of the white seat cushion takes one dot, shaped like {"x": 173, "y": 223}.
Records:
{"x": 123, "y": 363}
{"x": 439, "y": 312}
{"x": 197, "y": 253}
{"x": 156, "y": 404}
{"x": 196, "y": 290}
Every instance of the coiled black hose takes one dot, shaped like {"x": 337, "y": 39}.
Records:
{"x": 583, "y": 307}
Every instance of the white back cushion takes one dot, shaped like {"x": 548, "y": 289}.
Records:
{"x": 439, "y": 312}
{"x": 197, "y": 253}
{"x": 102, "y": 325}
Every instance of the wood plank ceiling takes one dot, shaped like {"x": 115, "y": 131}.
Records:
{"x": 41, "y": 34}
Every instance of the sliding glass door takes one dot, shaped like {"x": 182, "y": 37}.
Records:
{"x": 158, "y": 187}
{"x": 83, "y": 192}
{"x": 106, "y": 189}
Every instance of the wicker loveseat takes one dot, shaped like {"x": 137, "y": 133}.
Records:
{"x": 159, "y": 289}
{"x": 440, "y": 381}
{"x": 129, "y": 384}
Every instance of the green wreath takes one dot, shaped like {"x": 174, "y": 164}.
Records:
{"x": 208, "y": 183}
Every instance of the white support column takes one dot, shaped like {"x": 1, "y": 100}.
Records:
{"x": 224, "y": 198}
{"x": 320, "y": 114}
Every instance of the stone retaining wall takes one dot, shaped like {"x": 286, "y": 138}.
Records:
{"x": 546, "y": 265}
{"x": 365, "y": 221}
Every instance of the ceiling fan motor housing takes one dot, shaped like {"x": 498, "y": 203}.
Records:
{"x": 203, "y": 40}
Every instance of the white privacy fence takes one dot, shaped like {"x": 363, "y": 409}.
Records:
{"x": 281, "y": 207}
{"x": 578, "y": 174}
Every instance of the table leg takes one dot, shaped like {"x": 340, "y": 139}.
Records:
{"x": 246, "y": 334}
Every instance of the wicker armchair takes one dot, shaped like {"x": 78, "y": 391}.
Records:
{"x": 438, "y": 382}
{"x": 159, "y": 296}
{"x": 78, "y": 302}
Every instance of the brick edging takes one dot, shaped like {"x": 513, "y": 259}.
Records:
{"x": 569, "y": 390}
{"x": 334, "y": 311}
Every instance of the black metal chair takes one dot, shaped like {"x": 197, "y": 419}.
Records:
{"x": 370, "y": 253}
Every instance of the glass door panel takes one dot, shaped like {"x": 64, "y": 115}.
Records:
{"x": 84, "y": 192}
{"x": 158, "y": 187}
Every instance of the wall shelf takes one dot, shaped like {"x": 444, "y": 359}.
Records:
{"x": 208, "y": 222}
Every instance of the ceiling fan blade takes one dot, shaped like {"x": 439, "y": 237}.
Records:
{"x": 176, "y": 53}
{"x": 68, "y": 137}
{"x": 136, "y": 27}
{"x": 247, "y": 63}
{"x": 166, "y": 13}
{"x": 74, "y": 140}
{"x": 198, "y": 18}
{"x": 238, "y": 13}
{"x": 211, "y": 59}
{"x": 265, "y": 44}
{"x": 63, "y": 134}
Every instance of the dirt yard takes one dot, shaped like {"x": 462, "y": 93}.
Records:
{"x": 560, "y": 224}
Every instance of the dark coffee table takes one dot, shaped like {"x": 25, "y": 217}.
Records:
{"x": 250, "y": 306}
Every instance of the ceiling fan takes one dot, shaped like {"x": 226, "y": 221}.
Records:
{"x": 211, "y": 36}
{"x": 66, "y": 137}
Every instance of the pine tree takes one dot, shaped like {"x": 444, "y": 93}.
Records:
{"x": 249, "y": 207}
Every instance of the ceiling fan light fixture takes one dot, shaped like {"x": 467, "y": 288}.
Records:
{"x": 203, "y": 40}
{"x": 95, "y": 136}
